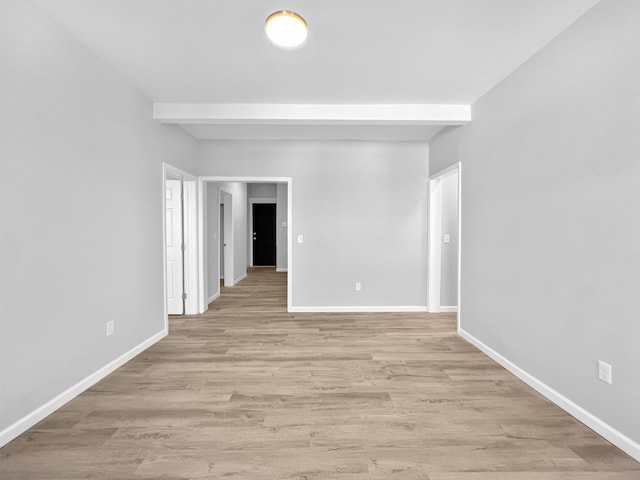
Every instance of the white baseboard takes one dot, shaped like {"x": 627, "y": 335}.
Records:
{"x": 237, "y": 280}
{"x": 363, "y": 309}
{"x": 617, "y": 438}
{"x": 279, "y": 270}
{"x": 444, "y": 309}
{"x": 213, "y": 297}
{"x": 29, "y": 420}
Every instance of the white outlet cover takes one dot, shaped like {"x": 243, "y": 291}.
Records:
{"x": 110, "y": 328}
{"x": 605, "y": 372}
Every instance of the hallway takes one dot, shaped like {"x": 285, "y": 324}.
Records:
{"x": 248, "y": 391}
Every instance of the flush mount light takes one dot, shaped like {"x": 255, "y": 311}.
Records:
{"x": 286, "y": 29}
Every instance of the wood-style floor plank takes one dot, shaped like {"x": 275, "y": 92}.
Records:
{"x": 249, "y": 391}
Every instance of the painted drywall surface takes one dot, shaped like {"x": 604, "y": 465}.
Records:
{"x": 238, "y": 190}
{"x": 361, "y": 208}
{"x": 443, "y": 153}
{"x": 261, "y": 190}
{"x": 551, "y": 241}
{"x": 81, "y": 194}
{"x": 213, "y": 243}
{"x": 449, "y": 262}
{"x": 281, "y": 231}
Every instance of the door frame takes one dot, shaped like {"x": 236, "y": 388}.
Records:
{"x": 202, "y": 234}
{"x": 190, "y": 238}
{"x": 434, "y": 270}
{"x": 250, "y": 229}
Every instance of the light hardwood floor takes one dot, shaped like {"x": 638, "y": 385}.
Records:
{"x": 248, "y": 391}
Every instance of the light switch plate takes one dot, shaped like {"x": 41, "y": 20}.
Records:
{"x": 300, "y": 239}
{"x": 447, "y": 238}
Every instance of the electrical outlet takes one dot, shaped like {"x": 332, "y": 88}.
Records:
{"x": 110, "y": 327}
{"x": 358, "y": 286}
{"x": 605, "y": 372}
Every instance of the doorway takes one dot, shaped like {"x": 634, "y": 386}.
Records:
{"x": 264, "y": 234}
{"x": 180, "y": 228}
{"x": 226, "y": 238}
{"x": 240, "y": 225}
{"x": 221, "y": 241}
{"x": 444, "y": 241}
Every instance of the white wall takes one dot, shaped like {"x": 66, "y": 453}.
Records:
{"x": 81, "y": 189}
{"x": 261, "y": 190}
{"x": 449, "y": 259}
{"x": 240, "y": 219}
{"x": 443, "y": 149}
{"x": 550, "y": 195}
{"x": 281, "y": 232}
{"x": 361, "y": 208}
{"x": 214, "y": 265}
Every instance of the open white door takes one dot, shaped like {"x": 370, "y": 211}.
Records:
{"x": 175, "y": 271}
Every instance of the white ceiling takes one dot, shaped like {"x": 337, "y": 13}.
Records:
{"x": 357, "y": 52}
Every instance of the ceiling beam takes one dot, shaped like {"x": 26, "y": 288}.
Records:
{"x": 311, "y": 114}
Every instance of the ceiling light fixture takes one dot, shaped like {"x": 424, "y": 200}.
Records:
{"x": 286, "y": 29}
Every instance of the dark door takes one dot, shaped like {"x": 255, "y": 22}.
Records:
{"x": 264, "y": 234}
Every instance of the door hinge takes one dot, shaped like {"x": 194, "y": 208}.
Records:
{"x": 184, "y": 296}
